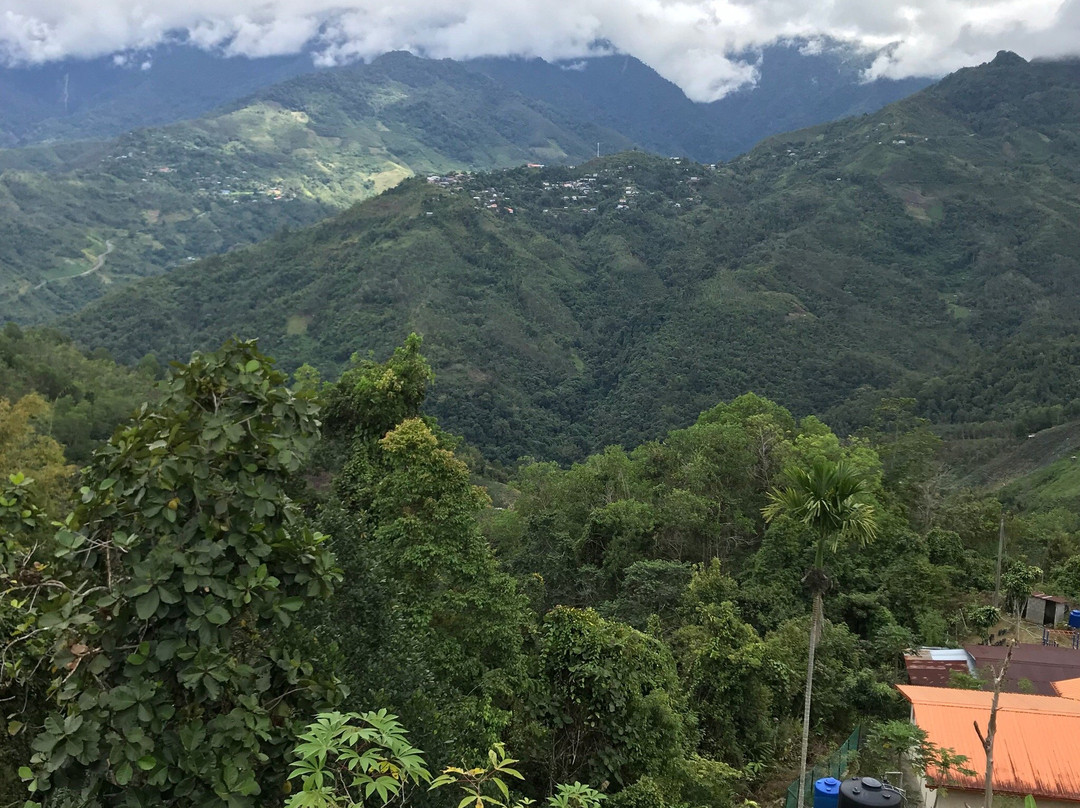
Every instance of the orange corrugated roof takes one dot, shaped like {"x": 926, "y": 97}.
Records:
{"x": 1068, "y": 688}
{"x": 1036, "y": 750}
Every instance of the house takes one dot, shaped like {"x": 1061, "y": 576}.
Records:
{"x": 1046, "y": 610}
{"x": 1036, "y": 748}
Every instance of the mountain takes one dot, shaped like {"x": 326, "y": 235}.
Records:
{"x": 76, "y": 218}
{"x": 927, "y": 250}
{"x": 798, "y": 85}
{"x": 93, "y": 99}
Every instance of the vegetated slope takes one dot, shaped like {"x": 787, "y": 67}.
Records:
{"x": 798, "y": 86}
{"x": 288, "y": 156}
{"x": 903, "y": 252}
{"x": 83, "y": 99}
{"x": 90, "y": 395}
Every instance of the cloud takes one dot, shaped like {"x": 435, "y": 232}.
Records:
{"x": 691, "y": 42}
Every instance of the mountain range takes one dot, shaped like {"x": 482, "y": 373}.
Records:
{"x": 927, "y": 250}
{"x": 80, "y": 217}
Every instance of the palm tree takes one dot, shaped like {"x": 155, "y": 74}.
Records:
{"x": 833, "y": 500}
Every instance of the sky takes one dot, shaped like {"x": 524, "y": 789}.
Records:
{"x": 701, "y": 45}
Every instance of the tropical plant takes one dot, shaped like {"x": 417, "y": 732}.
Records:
{"x": 344, "y": 759}
{"x": 1016, "y": 585}
{"x": 833, "y": 501}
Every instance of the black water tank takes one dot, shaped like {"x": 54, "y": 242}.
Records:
{"x": 866, "y": 792}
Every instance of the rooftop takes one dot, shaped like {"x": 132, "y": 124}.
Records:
{"x": 1039, "y": 664}
{"x": 1036, "y": 749}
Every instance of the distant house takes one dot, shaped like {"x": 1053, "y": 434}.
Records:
{"x": 1036, "y": 749}
{"x": 1046, "y": 610}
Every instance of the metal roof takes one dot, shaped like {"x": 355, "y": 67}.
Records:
{"x": 1036, "y": 750}
{"x": 949, "y": 654}
{"x": 1053, "y": 598}
{"x": 1039, "y": 664}
{"x": 932, "y": 672}
{"x": 1068, "y": 689}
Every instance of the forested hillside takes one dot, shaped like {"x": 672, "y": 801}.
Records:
{"x": 911, "y": 251}
{"x": 77, "y": 219}
{"x": 244, "y": 557}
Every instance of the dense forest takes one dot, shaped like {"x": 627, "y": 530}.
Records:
{"x": 256, "y": 580}
{"x": 927, "y": 251}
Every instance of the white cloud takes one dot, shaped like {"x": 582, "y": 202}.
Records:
{"x": 690, "y": 42}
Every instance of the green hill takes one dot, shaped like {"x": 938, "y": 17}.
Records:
{"x": 929, "y": 249}
{"x": 286, "y": 157}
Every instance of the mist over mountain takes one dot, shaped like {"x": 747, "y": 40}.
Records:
{"x": 797, "y": 85}
{"x": 91, "y": 99}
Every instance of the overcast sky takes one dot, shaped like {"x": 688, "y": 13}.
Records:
{"x": 687, "y": 41}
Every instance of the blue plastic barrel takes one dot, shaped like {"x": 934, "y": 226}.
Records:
{"x": 826, "y": 792}
{"x": 1074, "y": 618}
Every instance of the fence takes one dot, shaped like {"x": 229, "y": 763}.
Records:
{"x": 833, "y": 766}
{"x": 1060, "y": 638}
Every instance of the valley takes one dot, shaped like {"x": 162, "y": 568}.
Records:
{"x": 506, "y": 432}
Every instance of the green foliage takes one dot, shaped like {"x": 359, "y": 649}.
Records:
{"x": 179, "y": 675}
{"x": 88, "y": 395}
{"x": 26, "y": 561}
{"x": 426, "y": 621}
{"x": 486, "y": 785}
{"x": 1017, "y": 582}
{"x": 1066, "y": 577}
{"x": 371, "y": 398}
{"x": 893, "y": 744}
{"x": 604, "y": 702}
{"x": 832, "y": 499}
{"x": 345, "y": 759}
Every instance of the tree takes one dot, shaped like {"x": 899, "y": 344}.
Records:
{"x": 987, "y": 740}
{"x": 833, "y": 501}
{"x": 179, "y": 678}
{"x": 605, "y": 702}
{"x": 1017, "y": 584}
{"x": 23, "y": 449}
{"x": 427, "y": 622}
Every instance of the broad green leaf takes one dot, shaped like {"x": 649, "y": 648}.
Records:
{"x": 147, "y": 604}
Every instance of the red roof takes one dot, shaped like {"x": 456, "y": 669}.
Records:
{"x": 932, "y": 672}
{"x": 1039, "y": 664}
{"x": 1036, "y": 750}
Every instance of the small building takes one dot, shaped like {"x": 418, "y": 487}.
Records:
{"x": 932, "y": 667}
{"x": 1046, "y": 610}
{"x": 1036, "y": 748}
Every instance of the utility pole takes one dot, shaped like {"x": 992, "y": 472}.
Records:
{"x": 1001, "y": 551}
{"x": 598, "y": 148}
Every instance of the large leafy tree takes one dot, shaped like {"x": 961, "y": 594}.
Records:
{"x": 833, "y": 501}
{"x": 426, "y": 621}
{"x": 179, "y": 679}
{"x": 604, "y": 703}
